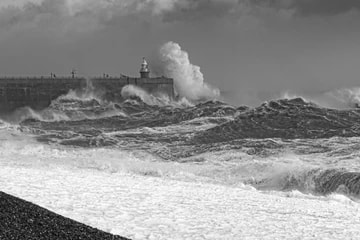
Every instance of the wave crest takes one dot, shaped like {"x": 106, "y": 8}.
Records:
{"x": 344, "y": 98}
{"x": 316, "y": 181}
{"x": 289, "y": 119}
{"x": 161, "y": 100}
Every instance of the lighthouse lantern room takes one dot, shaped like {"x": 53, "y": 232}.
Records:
{"x": 144, "y": 70}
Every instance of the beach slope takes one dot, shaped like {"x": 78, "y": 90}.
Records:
{"x": 20, "y": 219}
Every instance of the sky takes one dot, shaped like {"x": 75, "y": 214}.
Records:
{"x": 251, "y": 50}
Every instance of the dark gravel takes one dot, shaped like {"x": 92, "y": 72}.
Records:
{"x": 20, "y": 219}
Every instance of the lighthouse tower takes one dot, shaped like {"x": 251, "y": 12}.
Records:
{"x": 144, "y": 70}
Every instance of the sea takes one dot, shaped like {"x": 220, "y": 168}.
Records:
{"x": 148, "y": 167}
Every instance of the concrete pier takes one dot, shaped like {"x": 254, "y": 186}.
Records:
{"x": 38, "y": 93}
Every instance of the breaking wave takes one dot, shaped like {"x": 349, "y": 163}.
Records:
{"x": 66, "y": 108}
{"x": 89, "y": 104}
{"x": 131, "y": 91}
{"x": 315, "y": 181}
{"x": 344, "y": 98}
{"x": 289, "y": 119}
{"x": 234, "y": 167}
{"x": 211, "y": 141}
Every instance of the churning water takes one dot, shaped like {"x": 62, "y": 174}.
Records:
{"x": 150, "y": 167}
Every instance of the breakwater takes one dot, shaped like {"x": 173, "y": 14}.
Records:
{"x": 38, "y": 93}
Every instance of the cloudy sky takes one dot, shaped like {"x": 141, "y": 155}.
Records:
{"x": 252, "y": 50}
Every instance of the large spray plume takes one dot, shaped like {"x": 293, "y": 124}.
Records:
{"x": 174, "y": 62}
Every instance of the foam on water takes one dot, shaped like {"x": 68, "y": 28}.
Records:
{"x": 147, "y": 161}
{"x": 22, "y": 150}
{"x": 74, "y": 106}
{"x": 139, "y": 195}
{"x": 280, "y": 171}
{"x": 143, "y": 207}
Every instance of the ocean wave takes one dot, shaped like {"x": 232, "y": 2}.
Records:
{"x": 285, "y": 119}
{"x": 161, "y": 100}
{"x": 91, "y": 104}
{"x": 342, "y": 98}
{"x": 315, "y": 181}
{"x": 289, "y": 119}
{"x": 91, "y": 121}
{"x": 263, "y": 164}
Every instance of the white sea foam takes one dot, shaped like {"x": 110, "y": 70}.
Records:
{"x": 67, "y": 111}
{"x": 135, "y": 194}
{"x": 158, "y": 99}
{"x": 143, "y": 207}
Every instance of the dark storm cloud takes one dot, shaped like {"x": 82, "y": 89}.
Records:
{"x": 104, "y": 11}
{"x": 49, "y": 15}
{"x": 325, "y": 7}
{"x": 185, "y": 10}
{"x": 312, "y": 7}
{"x": 30, "y": 11}
{"x": 87, "y": 15}
{"x": 200, "y": 9}
{"x": 256, "y": 48}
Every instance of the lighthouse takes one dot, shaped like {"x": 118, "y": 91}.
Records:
{"x": 144, "y": 70}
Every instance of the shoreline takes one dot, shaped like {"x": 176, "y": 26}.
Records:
{"x": 20, "y": 219}
{"x": 143, "y": 207}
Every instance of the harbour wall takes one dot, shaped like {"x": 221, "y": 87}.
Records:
{"x": 38, "y": 93}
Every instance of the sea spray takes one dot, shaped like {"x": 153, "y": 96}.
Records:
{"x": 130, "y": 91}
{"x": 133, "y": 91}
{"x": 189, "y": 82}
